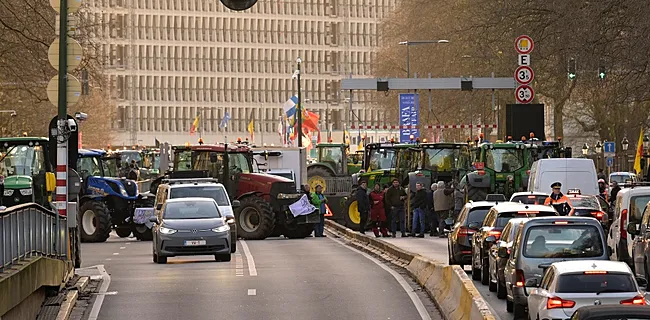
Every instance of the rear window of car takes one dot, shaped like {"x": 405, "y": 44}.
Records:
{"x": 504, "y": 217}
{"x": 563, "y": 241}
{"x": 191, "y": 210}
{"x": 585, "y": 202}
{"x": 216, "y": 193}
{"x": 530, "y": 199}
{"x": 476, "y": 215}
{"x": 596, "y": 283}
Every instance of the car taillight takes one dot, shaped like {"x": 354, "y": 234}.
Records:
{"x": 638, "y": 300}
{"x": 464, "y": 231}
{"x": 494, "y": 233}
{"x": 597, "y": 214}
{"x": 519, "y": 275}
{"x": 555, "y": 302}
{"x": 621, "y": 224}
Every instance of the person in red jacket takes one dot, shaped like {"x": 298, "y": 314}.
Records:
{"x": 378, "y": 211}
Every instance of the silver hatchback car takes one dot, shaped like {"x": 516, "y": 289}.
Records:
{"x": 188, "y": 227}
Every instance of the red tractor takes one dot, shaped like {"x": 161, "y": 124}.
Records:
{"x": 264, "y": 199}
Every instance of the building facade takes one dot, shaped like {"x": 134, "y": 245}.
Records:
{"x": 169, "y": 60}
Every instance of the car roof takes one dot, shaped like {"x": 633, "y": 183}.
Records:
{"x": 191, "y": 199}
{"x": 591, "y": 265}
{"x": 529, "y": 193}
{"x": 518, "y": 220}
{"x": 547, "y": 220}
{"x": 474, "y": 204}
{"x": 196, "y": 184}
{"x": 516, "y": 206}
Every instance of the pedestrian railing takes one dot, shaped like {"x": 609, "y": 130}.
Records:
{"x": 336, "y": 185}
{"x": 30, "y": 230}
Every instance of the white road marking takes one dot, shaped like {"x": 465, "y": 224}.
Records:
{"x": 407, "y": 288}
{"x": 116, "y": 253}
{"x": 252, "y": 292}
{"x": 97, "y": 306}
{"x": 108, "y": 259}
{"x": 249, "y": 259}
{"x": 128, "y": 243}
{"x": 122, "y": 248}
{"x": 239, "y": 265}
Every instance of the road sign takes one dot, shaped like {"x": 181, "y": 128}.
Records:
{"x": 610, "y": 161}
{"x": 524, "y": 94}
{"x": 524, "y": 75}
{"x": 409, "y": 110}
{"x": 524, "y": 44}
{"x": 524, "y": 60}
{"x": 609, "y": 148}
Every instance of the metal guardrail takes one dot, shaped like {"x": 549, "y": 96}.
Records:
{"x": 336, "y": 185}
{"x": 30, "y": 230}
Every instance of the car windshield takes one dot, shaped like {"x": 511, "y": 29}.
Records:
{"x": 182, "y": 160}
{"x": 382, "y": 158}
{"x": 191, "y": 210}
{"x": 110, "y": 167}
{"x": 504, "y": 160}
{"x": 216, "y": 193}
{"x": 330, "y": 154}
{"x": 477, "y": 215}
{"x": 440, "y": 159}
{"x": 620, "y": 178}
{"x": 529, "y": 199}
{"x": 585, "y": 202}
{"x": 128, "y": 156}
{"x": 21, "y": 161}
{"x": 595, "y": 283}
{"x": 637, "y": 205}
{"x": 563, "y": 241}
{"x": 89, "y": 166}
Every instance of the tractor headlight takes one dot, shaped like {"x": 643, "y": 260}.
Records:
{"x": 224, "y": 228}
{"x": 282, "y": 196}
{"x": 123, "y": 191}
{"x": 8, "y": 192}
{"x": 164, "y": 230}
{"x": 26, "y": 192}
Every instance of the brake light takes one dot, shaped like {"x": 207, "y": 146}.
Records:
{"x": 528, "y": 212}
{"x": 555, "y": 303}
{"x": 481, "y": 173}
{"x": 531, "y": 197}
{"x": 622, "y": 224}
{"x": 597, "y": 214}
{"x": 419, "y": 174}
{"x": 638, "y": 300}
{"x": 595, "y": 272}
{"x": 496, "y": 234}
{"x": 519, "y": 275}
{"x": 464, "y": 231}
{"x": 527, "y": 172}
{"x": 561, "y": 222}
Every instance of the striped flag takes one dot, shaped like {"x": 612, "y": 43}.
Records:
{"x": 195, "y": 125}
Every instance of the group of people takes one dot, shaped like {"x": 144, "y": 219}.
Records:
{"x": 385, "y": 206}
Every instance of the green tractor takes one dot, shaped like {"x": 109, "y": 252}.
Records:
{"x": 439, "y": 162}
{"x": 333, "y": 160}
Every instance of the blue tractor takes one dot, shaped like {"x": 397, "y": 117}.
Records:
{"x": 107, "y": 202}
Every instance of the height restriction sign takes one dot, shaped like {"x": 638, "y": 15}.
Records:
{"x": 524, "y": 44}
{"x": 524, "y": 94}
{"x": 524, "y": 75}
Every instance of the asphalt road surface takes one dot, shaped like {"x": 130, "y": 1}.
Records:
{"x": 314, "y": 278}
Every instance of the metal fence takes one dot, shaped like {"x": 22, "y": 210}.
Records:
{"x": 30, "y": 230}
{"x": 341, "y": 186}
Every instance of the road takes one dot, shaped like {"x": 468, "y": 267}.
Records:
{"x": 314, "y": 278}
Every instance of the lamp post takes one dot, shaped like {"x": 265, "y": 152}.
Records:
{"x": 599, "y": 149}
{"x": 646, "y": 142}
{"x": 299, "y": 127}
{"x": 585, "y": 149}
{"x": 625, "y": 144}
{"x": 408, "y": 51}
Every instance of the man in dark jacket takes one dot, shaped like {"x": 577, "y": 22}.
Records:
{"x": 419, "y": 205}
{"x": 363, "y": 205}
{"x": 395, "y": 197}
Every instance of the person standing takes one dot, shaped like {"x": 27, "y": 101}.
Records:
{"x": 389, "y": 215}
{"x": 433, "y": 218}
{"x": 443, "y": 201}
{"x": 319, "y": 200}
{"x": 395, "y": 198}
{"x": 459, "y": 199}
{"x": 363, "y": 205}
{"x": 377, "y": 212}
{"x": 419, "y": 206}
{"x": 558, "y": 200}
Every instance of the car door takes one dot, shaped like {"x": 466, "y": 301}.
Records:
{"x": 509, "y": 271}
{"x": 537, "y": 297}
{"x": 493, "y": 251}
{"x": 477, "y": 246}
{"x": 640, "y": 246}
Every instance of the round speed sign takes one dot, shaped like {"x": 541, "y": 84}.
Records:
{"x": 524, "y": 75}
{"x": 524, "y": 94}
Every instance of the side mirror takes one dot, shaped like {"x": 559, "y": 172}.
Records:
{"x": 643, "y": 283}
{"x": 534, "y": 282}
{"x": 474, "y": 225}
{"x": 235, "y": 204}
{"x": 633, "y": 229}
{"x": 153, "y": 219}
{"x": 159, "y": 206}
{"x": 503, "y": 252}
{"x": 491, "y": 239}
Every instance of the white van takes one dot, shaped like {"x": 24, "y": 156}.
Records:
{"x": 573, "y": 173}
{"x": 630, "y": 203}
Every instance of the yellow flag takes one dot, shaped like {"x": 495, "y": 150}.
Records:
{"x": 251, "y": 128}
{"x": 639, "y": 153}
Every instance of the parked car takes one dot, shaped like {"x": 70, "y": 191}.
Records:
{"x": 490, "y": 231}
{"x": 607, "y": 312}
{"x": 640, "y": 235}
{"x": 459, "y": 242}
{"x": 542, "y": 241}
{"x": 496, "y": 263}
{"x": 189, "y": 227}
{"x": 629, "y": 206}
{"x": 529, "y": 197}
{"x": 569, "y": 285}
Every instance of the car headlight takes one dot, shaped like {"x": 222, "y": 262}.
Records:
{"x": 9, "y": 192}
{"x": 164, "y": 230}
{"x": 224, "y": 228}
{"x": 26, "y": 192}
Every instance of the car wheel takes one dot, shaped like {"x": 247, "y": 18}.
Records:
{"x": 485, "y": 273}
{"x": 501, "y": 290}
{"x": 519, "y": 311}
{"x": 476, "y": 273}
{"x": 223, "y": 257}
{"x": 492, "y": 286}
{"x": 155, "y": 258}
{"x": 509, "y": 305}
{"x": 162, "y": 260}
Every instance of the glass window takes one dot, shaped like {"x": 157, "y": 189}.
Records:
{"x": 596, "y": 283}
{"x": 504, "y": 160}
{"x": 381, "y": 159}
{"x": 191, "y": 210}
{"x": 563, "y": 241}
{"x": 441, "y": 159}
{"x": 529, "y": 199}
{"x": 89, "y": 166}
{"x": 477, "y": 215}
{"x": 183, "y": 160}
{"x": 637, "y": 205}
{"x": 21, "y": 160}
{"x": 216, "y": 193}
{"x": 585, "y": 202}
{"x": 506, "y": 232}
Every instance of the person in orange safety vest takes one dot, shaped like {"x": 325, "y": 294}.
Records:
{"x": 558, "y": 200}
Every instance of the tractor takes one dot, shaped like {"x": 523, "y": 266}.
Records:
{"x": 150, "y": 167}
{"x": 264, "y": 199}
{"x": 107, "y": 202}
{"x": 333, "y": 160}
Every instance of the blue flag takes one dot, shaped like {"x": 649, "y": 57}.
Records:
{"x": 224, "y": 121}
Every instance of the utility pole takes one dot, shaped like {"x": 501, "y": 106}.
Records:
{"x": 299, "y": 127}
{"x": 61, "y": 196}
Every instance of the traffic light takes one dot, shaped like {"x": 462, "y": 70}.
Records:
{"x": 571, "y": 69}
{"x": 238, "y": 5}
{"x": 602, "y": 72}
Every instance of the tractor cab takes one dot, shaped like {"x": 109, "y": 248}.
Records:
{"x": 26, "y": 175}
{"x": 334, "y": 156}
{"x": 439, "y": 162}
{"x": 542, "y": 149}
{"x": 385, "y": 161}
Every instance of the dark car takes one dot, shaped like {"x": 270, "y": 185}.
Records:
{"x": 189, "y": 227}
{"x": 490, "y": 232}
{"x": 611, "y": 312}
{"x": 641, "y": 245}
{"x": 588, "y": 206}
{"x": 496, "y": 263}
{"x": 459, "y": 241}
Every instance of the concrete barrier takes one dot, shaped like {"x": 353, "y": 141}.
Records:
{"x": 449, "y": 286}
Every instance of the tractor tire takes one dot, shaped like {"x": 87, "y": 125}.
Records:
{"x": 77, "y": 248}
{"x": 351, "y": 213}
{"x": 142, "y": 233}
{"x": 123, "y": 232}
{"x": 299, "y": 231}
{"x": 315, "y": 177}
{"x": 95, "y": 222}
{"x": 255, "y": 218}
{"x": 476, "y": 194}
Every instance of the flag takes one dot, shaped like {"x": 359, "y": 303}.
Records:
{"x": 251, "y": 126}
{"x": 346, "y": 137}
{"x": 224, "y": 121}
{"x": 289, "y": 108}
{"x": 310, "y": 120}
{"x": 195, "y": 125}
{"x": 639, "y": 153}
{"x": 318, "y": 139}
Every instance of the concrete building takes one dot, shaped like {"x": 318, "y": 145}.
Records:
{"x": 169, "y": 60}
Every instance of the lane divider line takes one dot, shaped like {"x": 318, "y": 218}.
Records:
{"x": 239, "y": 265}
{"x": 122, "y": 248}
{"x": 116, "y": 253}
{"x": 99, "y": 300}
{"x": 249, "y": 259}
{"x": 252, "y": 292}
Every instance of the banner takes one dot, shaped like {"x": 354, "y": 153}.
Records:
{"x": 409, "y": 115}
{"x": 302, "y": 207}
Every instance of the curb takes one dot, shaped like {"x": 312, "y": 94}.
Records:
{"x": 449, "y": 286}
{"x": 71, "y": 298}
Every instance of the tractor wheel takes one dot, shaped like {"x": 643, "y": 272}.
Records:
{"x": 142, "y": 233}
{"x": 351, "y": 212}
{"x": 95, "y": 222}
{"x": 123, "y": 232}
{"x": 255, "y": 218}
{"x": 476, "y": 194}
{"x": 315, "y": 177}
{"x": 77, "y": 247}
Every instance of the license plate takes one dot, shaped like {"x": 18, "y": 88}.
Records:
{"x": 194, "y": 242}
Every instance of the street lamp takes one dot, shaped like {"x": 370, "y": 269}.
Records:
{"x": 299, "y": 127}
{"x": 585, "y": 149}
{"x": 414, "y": 43}
{"x": 599, "y": 147}
{"x": 625, "y": 144}
{"x": 646, "y": 142}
